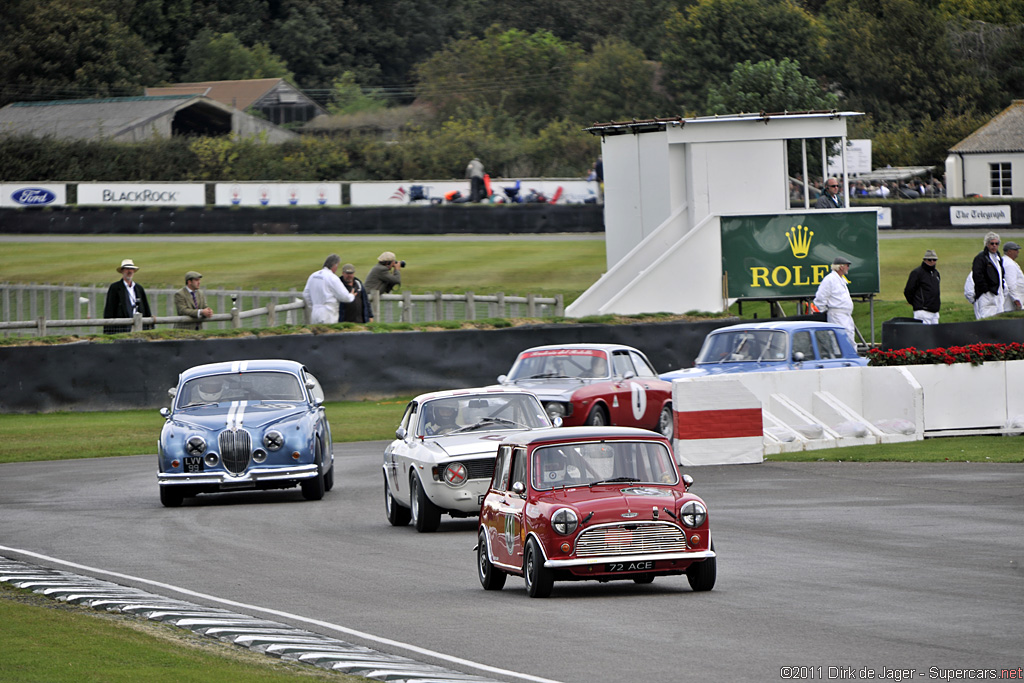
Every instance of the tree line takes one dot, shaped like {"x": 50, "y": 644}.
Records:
{"x": 525, "y": 77}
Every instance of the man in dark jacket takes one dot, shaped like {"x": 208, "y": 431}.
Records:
{"x": 125, "y": 298}
{"x": 358, "y": 310}
{"x": 989, "y": 279}
{"x": 922, "y": 290}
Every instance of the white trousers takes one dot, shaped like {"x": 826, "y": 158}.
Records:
{"x": 988, "y": 305}
{"x": 927, "y": 317}
{"x": 844, "y": 318}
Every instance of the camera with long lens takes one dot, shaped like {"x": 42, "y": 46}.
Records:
{"x": 402, "y": 264}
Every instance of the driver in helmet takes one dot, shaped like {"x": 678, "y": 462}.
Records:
{"x": 557, "y": 471}
{"x": 443, "y": 420}
{"x": 210, "y": 389}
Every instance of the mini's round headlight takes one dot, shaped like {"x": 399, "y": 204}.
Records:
{"x": 564, "y": 521}
{"x": 196, "y": 445}
{"x": 555, "y": 409}
{"x": 693, "y": 514}
{"x": 211, "y": 459}
{"x": 455, "y": 474}
{"x": 273, "y": 440}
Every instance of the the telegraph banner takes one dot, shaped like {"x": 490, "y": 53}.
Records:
{"x": 788, "y": 255}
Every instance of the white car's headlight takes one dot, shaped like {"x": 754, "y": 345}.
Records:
{"x": 693, "y": 514}
{"x": 564, "y": 521}
{"x": 273, "y": 440}
{"x": 555, "y": 409}
{"x": 196, "y": 445}
{"x": 455, "y": 474}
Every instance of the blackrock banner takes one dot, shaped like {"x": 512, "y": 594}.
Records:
{"x": 142, "y": 194}
{"x": 788, "y": 255}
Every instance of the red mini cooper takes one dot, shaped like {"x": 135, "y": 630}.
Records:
{"x": 600, "y": 503}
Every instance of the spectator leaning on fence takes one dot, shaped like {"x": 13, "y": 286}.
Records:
{"x": 191, "y": 301}
{"x": 323, "y": 292}
{"x": 386, "y": 275}
{"x": 125, "y": 298}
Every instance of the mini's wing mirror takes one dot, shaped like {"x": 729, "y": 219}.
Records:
{"x": 518, "y": 488}
{"x": 165, "y": 412}
{"x": 688, "y": 480}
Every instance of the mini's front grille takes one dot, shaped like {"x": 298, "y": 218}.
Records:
{"x": 235, "y": 448}
{"x": 482, "y": 468}
{"x": 630, "y": 539}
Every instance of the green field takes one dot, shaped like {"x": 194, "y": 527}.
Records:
{"x": 514, "y": 266}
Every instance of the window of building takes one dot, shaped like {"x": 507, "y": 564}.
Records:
{"x": 1000, "y": 179}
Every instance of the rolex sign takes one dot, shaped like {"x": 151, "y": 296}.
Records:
{"x": 787, "y": 255}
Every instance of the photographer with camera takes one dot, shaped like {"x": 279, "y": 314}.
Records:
{"x": 386, "y": 275}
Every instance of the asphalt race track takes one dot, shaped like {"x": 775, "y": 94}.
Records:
{"x": 866, "y": 568}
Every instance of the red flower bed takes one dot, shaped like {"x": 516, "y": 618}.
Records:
{"x": 975, "y": 354}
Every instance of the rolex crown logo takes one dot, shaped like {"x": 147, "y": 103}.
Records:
{"x": 799, "y": 240}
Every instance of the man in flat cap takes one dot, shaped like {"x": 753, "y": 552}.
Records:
{"x": 191, "y": 301}
{"x": 386, "y": 275}
{"x": 922, "y": 290}
{"x": 125, "y": 298}
{"x": 358, "y": 310}
{"x": 833, "y": 297}
{"x": 1014, "y": 277}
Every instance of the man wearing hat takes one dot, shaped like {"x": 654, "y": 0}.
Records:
{"x": 358, "y": 310}
{"x": 191, "y": 301}
{"x": 1014, "y": 277}
{"x": 833, "y": 297}
{"x": 386, "y": 275}
{"x": 125, "y": 298}
{"x": 922, "y": 290}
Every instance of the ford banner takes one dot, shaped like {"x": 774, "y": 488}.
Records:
{"x": 24, "y": 195}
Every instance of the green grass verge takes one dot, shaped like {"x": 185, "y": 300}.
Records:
{"x": 66, "y": 436}
{"x": 46, "y": 641}
{"x": 62, "y": 436}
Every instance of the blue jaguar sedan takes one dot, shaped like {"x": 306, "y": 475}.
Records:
{"x": 245, "y": 425}
{"x": 772, "y": 347}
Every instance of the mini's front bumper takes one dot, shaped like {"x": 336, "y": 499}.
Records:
{"x": 695, "y": 555}
{"x": 228, "y": 480}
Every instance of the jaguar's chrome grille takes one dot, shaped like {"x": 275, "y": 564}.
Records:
{"x": 482, "y": 468}
{"x": 630, "y": 539}
{"x": 235, "y": 448}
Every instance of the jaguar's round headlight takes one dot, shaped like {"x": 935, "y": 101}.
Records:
{"x": 273, "y": 440}
{"x": 555, "y": 409}
{"x": 455, "y": 474}
{"x": 196, "y": 445}
{"x": 693, "y": 514}
{"x": 564, "y": 521}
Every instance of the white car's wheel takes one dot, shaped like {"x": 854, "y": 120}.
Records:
{"x": 426, "y": 516}
{"x": 398, "y": 515}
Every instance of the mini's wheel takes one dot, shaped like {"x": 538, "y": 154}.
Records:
{"x": 171, "y": 496}
{"x": 666, "y": 426}
{"x": 426, "y": 516}
{"x": 702, "y": 575}
{"x": 539, "y": 581}
{"x": 491, "y": 578}
{"x": 398, "y": 515}
{"x": 598, "y": 417}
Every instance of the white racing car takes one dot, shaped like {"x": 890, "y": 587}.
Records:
{"x": 442, "y": 458}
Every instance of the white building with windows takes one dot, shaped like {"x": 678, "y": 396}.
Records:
{"x": 990, "y": 161}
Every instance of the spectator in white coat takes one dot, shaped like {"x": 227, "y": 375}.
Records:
{"x": 324, "y": 291}
{"x": 1014, "y": 277}
{"x": 833, "y": 297}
